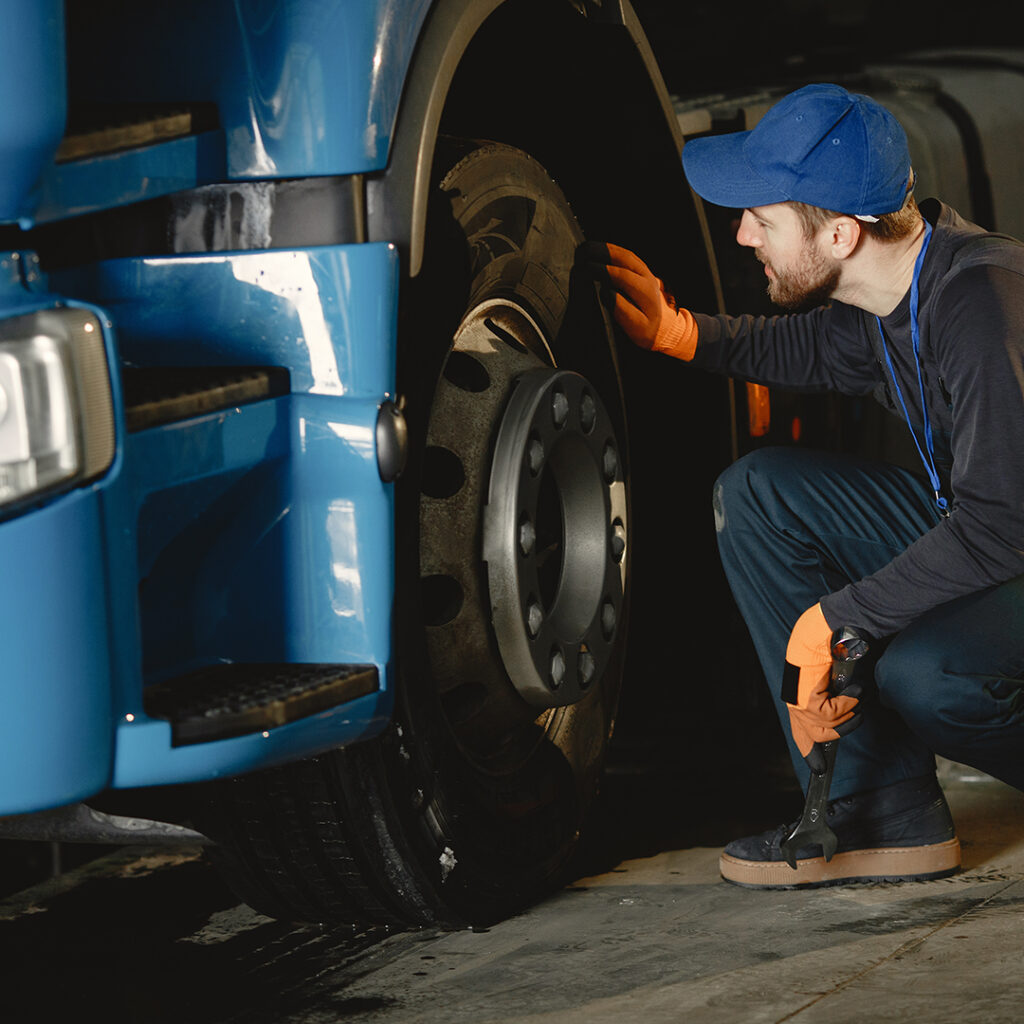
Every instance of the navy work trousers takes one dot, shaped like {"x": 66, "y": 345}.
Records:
{"x": 795, "y": 525}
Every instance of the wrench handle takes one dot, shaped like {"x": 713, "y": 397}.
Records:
{"x": 848, "y": 647}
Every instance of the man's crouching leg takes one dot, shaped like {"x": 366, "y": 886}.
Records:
{"x": 788, "y": 533}
{"x": 956, "y": 677}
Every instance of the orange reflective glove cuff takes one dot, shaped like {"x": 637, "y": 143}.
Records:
{"x": 644, "y": 310}
{"x": 810, "y": 643}
{"x": 677, "y": 335}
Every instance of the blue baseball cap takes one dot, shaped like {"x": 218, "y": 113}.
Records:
{"x": 820, "y": 145}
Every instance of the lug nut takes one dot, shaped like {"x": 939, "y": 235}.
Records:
{"x": 535, "y": 455}
{"x": 527, "y": 537}
{"x": 608, "y": 619}
{"x": 586, "y": 667}
{"x": 610, "y": 463}
{"x": 588, "y": 413}
{"x": 618, "y": 541}
{"x": 557, "y": 668}
{"x": 534, "y": 618}
{"x": 559, "y": 408}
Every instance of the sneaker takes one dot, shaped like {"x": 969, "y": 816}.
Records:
{"x": 900, "y": 833}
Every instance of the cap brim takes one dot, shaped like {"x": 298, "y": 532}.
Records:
{"x": 718, "y": 171}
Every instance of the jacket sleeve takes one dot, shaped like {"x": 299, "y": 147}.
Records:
{"x": 826, "y": 349}
{"x": 979, "y": 350}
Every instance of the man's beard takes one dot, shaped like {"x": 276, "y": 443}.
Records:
{"x": 807, "y": 285}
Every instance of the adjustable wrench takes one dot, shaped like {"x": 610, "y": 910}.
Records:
{"x": 848, "y": 647}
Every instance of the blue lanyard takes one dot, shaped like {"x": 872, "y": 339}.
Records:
{"x": 928, "y": 454}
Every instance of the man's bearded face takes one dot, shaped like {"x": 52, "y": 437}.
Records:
{"x": 807, "y": 281}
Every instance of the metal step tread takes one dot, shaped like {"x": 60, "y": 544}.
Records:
{"x": 100, "y": 128}
{"x": 221, "y": 701}
{"x": 157, "y": 395}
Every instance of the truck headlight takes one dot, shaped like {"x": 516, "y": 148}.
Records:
{"x": 56, "y": 413}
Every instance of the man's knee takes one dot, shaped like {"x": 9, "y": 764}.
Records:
{"x": 739, "y": 491}
{"x": 919, "y": 679}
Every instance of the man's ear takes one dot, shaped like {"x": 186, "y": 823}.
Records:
{"x": 844, "y": 237}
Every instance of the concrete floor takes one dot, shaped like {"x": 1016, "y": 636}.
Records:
{"x": 152, "y": 937}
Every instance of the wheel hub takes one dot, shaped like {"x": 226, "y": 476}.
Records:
{"x": 554, "y": 537}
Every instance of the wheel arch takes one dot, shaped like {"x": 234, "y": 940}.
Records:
{"x": 575, "y": 85}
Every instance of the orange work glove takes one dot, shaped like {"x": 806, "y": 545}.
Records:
{"x": 815, "y": 715}
{"x": 643, "y": 309}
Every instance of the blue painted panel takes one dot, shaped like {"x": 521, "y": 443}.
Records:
{"x": 145, "y": 756}
{"x": 324, "y": 79}
{"x": 290, "y": 560}
{"x": 303, "y": 87}
{"x": 56, "y": 729}
{"x": 339, "y": 546}
{"x": 32, "y": 82}
{"x": 57, "y": 669}
{"x": 212, "y": 497}
{"x": 130, "y": 176}
{"x": 262, "y": 533}
{"x": 12, "y": 288}
{"x": 327, "y": 313}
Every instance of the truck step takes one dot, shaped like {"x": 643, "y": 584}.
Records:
{"x": 221, "y": 701}
{"x": 164, "y": 394}
{"x": 97, "y": 129}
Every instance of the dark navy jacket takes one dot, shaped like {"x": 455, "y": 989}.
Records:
{"x": 971, "y": 319}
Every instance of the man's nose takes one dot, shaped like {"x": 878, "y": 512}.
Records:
{"x": 748, "y": 233}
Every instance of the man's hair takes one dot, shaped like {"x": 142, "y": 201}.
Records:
{"x": 890, "y": 227}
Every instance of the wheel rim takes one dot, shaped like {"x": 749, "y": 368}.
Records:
{"x": 545, "y": 612}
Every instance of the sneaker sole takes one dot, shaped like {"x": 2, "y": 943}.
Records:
{"x": 893, "y": 864}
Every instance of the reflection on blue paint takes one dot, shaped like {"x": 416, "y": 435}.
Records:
{"x": 290, "y": 277}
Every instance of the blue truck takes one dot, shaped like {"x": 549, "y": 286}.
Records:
{"x": 316, "y": 526}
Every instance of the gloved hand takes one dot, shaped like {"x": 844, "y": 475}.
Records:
{"x": 643, "y": 309}
{"x": 815, "y": 715}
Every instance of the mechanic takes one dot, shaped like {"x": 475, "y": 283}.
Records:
{"x": 924, "y": 311}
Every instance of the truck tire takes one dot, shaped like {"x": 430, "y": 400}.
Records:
{"x": 508, "y": 670}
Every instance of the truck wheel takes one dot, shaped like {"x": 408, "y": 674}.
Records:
{"x": 512, "y": 554}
